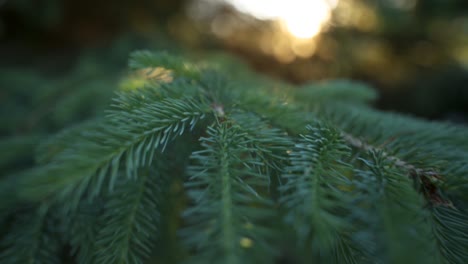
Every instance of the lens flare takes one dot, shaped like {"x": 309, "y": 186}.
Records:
{"x": 301, "y": 18}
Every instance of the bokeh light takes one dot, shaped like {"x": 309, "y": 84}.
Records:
{"x": 302, "y": 18}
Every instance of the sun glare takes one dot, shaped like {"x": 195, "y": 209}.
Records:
{"x": 301, "y": 18}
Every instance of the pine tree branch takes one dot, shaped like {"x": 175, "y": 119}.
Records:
{"x": 428, "y": 178}
{"x": 221, "y": 187}
{"x": 132, "y": 216}
{"x": 129, "y": 137}
{"x": 312, "y": 196}
{"x": 83, "y": 227}
{"x": 229, "y": 247}
{"x": 449, "y": 228}
{"x": 394, "y": 218}
{"x": 31, "y": 240}
{"x": 265, "y": 142}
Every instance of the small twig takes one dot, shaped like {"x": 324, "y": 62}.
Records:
{"x": 427, "y": 177}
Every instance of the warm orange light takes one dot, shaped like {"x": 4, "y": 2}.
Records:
{"x": 301, "y": 18}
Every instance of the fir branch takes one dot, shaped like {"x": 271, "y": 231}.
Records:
{"x": 221, "y": 223}
{"x": 270, "y": 144}
{"x": 441, "y": 140}
{"x": 347, "y": 249}
{"x": 457, "y": 184}
{"x": 336, "y": 208}
{"x": 131, "y": 221}
{"x": 449, "y": 228}
{"x": 315, "y": 206}
{"x": 130, "y": 137}
{"x": 279, "y": 112}
{"x": 129, "y": 100}
{"x": 32, "y": 239}
{"x": 82, "y": 228}
{"x": 445, "y": 217}
{"x": 393, "y": 216}
{"x": 428, "y": 179}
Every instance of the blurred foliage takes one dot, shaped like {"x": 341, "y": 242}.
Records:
{"x": 207, "y": 162}
{"x": 394, "y": 44}
{"x": 41, "y": 98}
{"x": 32, "y": 106}
{"x": 83, "y": 21}
{"x": 60, "y": 60}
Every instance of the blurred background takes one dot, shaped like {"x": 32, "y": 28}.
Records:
{"x": 61, "y": 60}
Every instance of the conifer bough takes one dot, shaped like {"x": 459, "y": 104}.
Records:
{"x": 215, "y": 164}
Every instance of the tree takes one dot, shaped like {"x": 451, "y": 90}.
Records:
{"x": 206, "y": 162}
